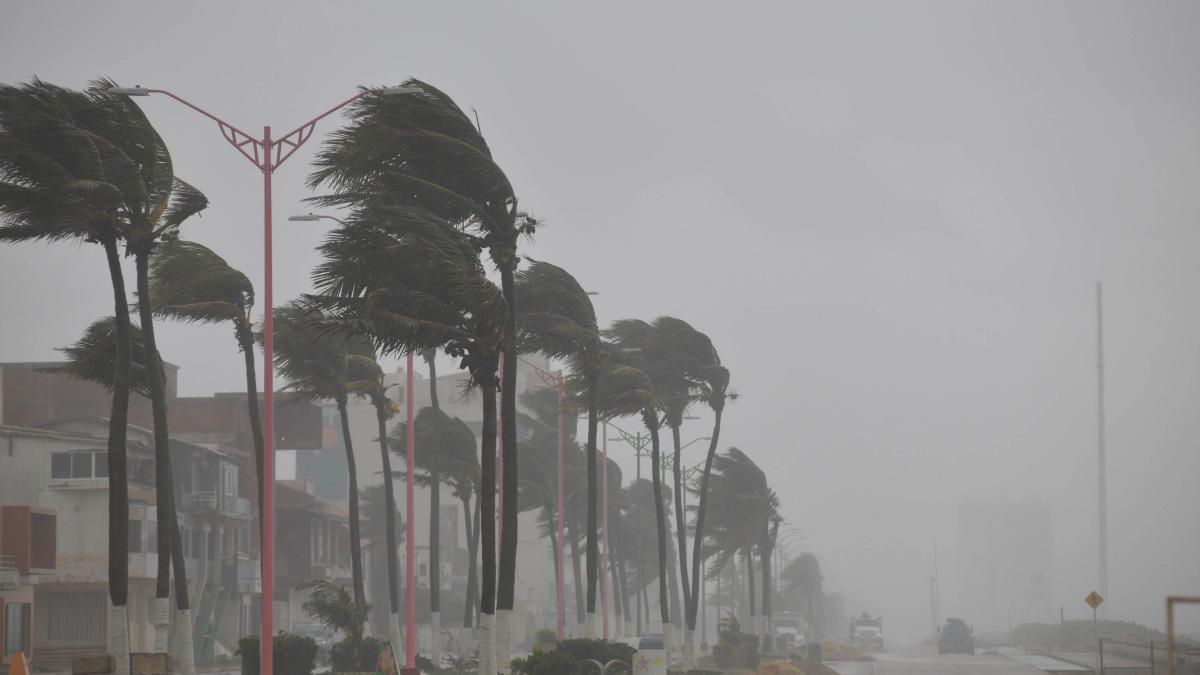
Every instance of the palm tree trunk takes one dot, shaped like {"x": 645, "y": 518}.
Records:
{"x": 593, "y": 546}
{"x": 118, "y": 476}
{"x": 487, "y": 522}
{"x": 764, "y": 552}
{"x": 245, "y": 339}
{"x": 749, "y": 560}
{"x": 681, "y": 537}
{"x": 389, "y": 500}
{"x": 577, "y": 575}
{"x": 650, "y": 417}
{"x": 472, "y": 570}
{"x": 356, "y": 571}
{"x": 620, "y": 582}
{"x": 506, "y": 586}
{"x": 701, "y": 508}
{"x": 168, "y": 524}
{"x": 435, "y": 520}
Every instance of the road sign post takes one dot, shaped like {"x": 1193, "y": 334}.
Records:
{"x": 1094, "y": 600}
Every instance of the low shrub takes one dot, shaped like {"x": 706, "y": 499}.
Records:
{"x": 292, "y": 654}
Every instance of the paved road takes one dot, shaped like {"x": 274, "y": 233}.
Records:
{"x": 918, "y": 663}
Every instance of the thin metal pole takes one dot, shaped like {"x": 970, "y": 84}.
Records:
{"x": 638, "y": 497}
{"x": 604, "y": 530}
{"x": 267, "y": 613}
{"x": 1101, "y": 452}
{"x": 561, "y": 540}
{"x": 410, "y": 554}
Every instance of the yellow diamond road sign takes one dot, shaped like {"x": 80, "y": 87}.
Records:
{"x": 1093, "y": 599}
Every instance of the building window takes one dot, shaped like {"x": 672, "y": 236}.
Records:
{"x": 79, "y": 464}
{"x": 229, "y": 477}
{"x": 16, "y": 629}
{"x": 75, "y": 616}
{"x": 152, "y": 538}
{"x": 135, "y": 536}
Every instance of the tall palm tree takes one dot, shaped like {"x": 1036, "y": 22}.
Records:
{"x": 444, "y": 453}
{"x": 713, "y": 381}
{"x": 743, "y": 509}
{"x": 422, "y": 150}
{"x": 54, "y": 187}
{"x": 556, "y": 319}
{"x": 368, "y": 378}
{"x": 319, "y": 364}
{"x": 373, "y": 504}
{"x": 90, "y": 166}
{"x": 668, "y": 351}
{"x": 409, "y": 281}
{"x": 189, "y": 282}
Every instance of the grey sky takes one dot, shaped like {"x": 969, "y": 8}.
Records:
{"x": 888, "y": 216}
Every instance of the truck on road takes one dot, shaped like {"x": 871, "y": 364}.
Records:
{"x": 866, "y": 633}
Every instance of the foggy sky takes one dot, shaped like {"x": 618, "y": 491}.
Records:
{"x": 889, "y": 218}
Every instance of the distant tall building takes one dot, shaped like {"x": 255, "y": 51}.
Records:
{"x": 1005, "y": 564}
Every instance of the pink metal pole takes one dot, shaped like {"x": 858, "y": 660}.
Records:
{"x": 604, "y": 529}
{"x": 561, "y": 541}
{"x": 410, "y": 554}
{"x": 266, "y": 630}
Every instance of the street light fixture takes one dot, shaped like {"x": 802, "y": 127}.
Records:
{"x": 314, "y": 217}
{"x": 267, "y": 154}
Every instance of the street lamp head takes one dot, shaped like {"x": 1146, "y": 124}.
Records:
{"x": 310, "y": 218}
{"x": 129, "y": 91}
{"x": 393, "y": 91}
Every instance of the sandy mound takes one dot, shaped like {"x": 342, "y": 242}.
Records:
{"x": 789, "y": 668}
{"x": 836, "y": 651}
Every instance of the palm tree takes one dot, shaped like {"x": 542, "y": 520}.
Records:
{"x": 557, "y": 319}
{"x": 321, "y": 365}
{"x": 745, "y": 510}
{"x": 422, "y": 150}
{"x": 368, "y": 381}
{"x": 409, "y": 281}
{"x": 665, "y": 352}
{"x": 330, "y": 604}
{"x": 713, "y": 379}
{"x": 90, "y": 166}
{"x": 444, "y": 453}
{"x": 802, "y": 579}
{"x": 376, "y": 522}
{"x": 189, "y": 282}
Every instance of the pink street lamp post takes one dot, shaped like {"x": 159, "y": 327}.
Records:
{"x": 266, "y": 154}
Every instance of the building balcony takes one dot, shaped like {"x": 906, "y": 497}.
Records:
{"x": 29, "y": 538}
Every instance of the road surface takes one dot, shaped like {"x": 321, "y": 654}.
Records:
{"x": 918, "y": 663}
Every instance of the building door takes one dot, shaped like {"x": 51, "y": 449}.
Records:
{"x": 16, "y": 629}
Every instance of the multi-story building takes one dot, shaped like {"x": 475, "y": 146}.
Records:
{"x": 53, "y": 530}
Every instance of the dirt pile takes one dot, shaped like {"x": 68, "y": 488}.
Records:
{"x": 836, "y": 651}
{"x": 793, "y": 668}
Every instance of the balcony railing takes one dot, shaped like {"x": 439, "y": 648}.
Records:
{"x": 9, "y": 576}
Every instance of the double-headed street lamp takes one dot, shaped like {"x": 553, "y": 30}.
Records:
{"x": 267, "y": 154}
{"x": 640, "y": 445}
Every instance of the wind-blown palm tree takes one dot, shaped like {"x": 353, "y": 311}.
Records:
{"x": 556, "y": 319}
{"x": 319, "y": 364}
{"x": 373, "y": 504}
{"x": 713, "y": 380}
{"x": 409, "y": 281}
{"x": 368, "y": 382}
{"x": 668, "y": 352}
{"x": 444, "y": 453}
{"x": 90, "y": 166}
{"x": 743, "y": 508}
{"x": 189, "y": 282}
{"x": 802, "y": 585}
{"x": 422, "y": 150}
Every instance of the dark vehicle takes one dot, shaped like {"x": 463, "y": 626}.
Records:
{"x": 956, "y": 637}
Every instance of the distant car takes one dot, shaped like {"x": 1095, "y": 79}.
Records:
{"x": 956, "y": 637}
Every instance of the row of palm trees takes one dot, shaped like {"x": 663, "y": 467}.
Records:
{"x": 404, "y": 274}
